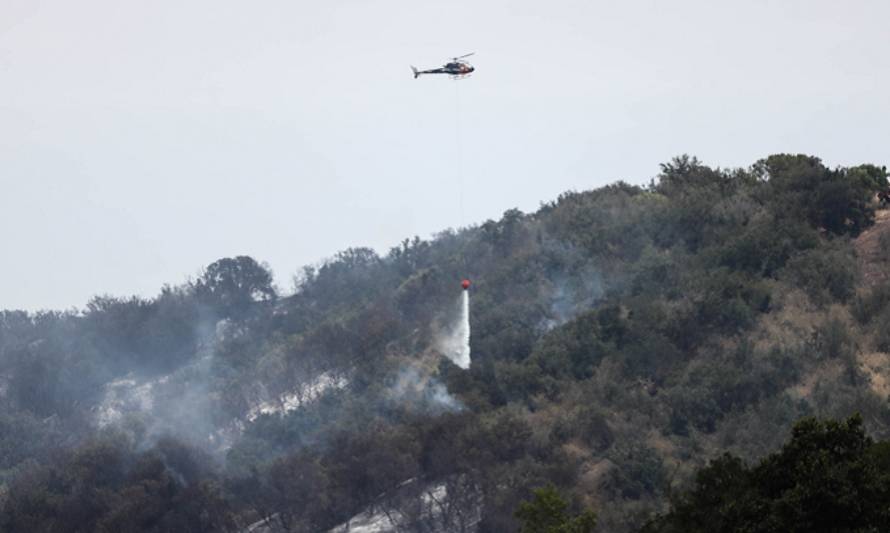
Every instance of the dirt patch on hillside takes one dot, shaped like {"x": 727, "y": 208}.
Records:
{"x": 828, "y": 372}
{"x": 593, "y": 477}
{"x": 790, "y": 324}
{"x": 876, "y": 366}
{"x": 872, "y": 262}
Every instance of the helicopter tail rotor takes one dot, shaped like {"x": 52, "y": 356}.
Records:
{"x": 416, "y": 72}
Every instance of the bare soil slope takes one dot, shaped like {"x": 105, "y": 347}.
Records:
{"x": 872, "y": 255}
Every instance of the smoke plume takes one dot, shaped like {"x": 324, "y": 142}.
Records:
{"x": 455, "y": 341}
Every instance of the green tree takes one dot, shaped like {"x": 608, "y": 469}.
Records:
{"x": 829, "y": 477}
{"x": 546, "y": 513}
{"x": 837, "y": 201}
{"x": 231, "y": 285}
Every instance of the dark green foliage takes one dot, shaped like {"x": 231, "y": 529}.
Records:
{"x": 352, "y": 276}
{"x": 106, "y": 486}
{"x": 719, "y": 383}
{"x": 731, "y": 301}
{"x": 763, "y": 247}
{"x": 150, "y": 336}
{"x": 546, "y": 513}
{"x": 828, "y": 477}
{"x": 834, "y": 200}
{"x": 574, "y": 348}
{"x": 609, "y": 223}
{"x": 231, "y": 285}
{"x": 699, "y": 197}
{"x": 826, "y": 275}
{"x": 640, "y": 471}
{"x": 506, "y": 235}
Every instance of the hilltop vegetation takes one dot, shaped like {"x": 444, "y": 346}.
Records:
{"x": 621, "y": 338}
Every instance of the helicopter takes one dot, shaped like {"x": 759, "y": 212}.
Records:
{"x": 457, "y": 68}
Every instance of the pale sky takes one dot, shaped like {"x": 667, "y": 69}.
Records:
{"x": 140, "y": 141}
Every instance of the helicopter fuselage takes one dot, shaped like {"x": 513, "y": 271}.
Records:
{"x": 452, "y": 69}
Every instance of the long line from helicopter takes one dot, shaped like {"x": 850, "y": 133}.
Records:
{"x": 456, "y": 68}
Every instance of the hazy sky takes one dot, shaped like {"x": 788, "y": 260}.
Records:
{"x": 140, "y": 141}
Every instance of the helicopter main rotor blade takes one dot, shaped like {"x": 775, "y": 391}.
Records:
{"x": 463, "y": 56}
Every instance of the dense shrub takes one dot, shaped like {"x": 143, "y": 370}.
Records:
{"x": 837, "y": 201}
{"x": 828, "y": 477}
{"x": 871, "y": 303}
{"x": 826, "y": 275}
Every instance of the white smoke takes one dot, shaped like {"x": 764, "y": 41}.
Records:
{"x": 416, "y": 386}
{"x": 455, "y": 342}
{"x": 300, "y": 396}
{"x": 178, "y": 403}
{"x": 436, "y": 507}
{"x": 123, "y": 396}
{"x": 573, "y": 294}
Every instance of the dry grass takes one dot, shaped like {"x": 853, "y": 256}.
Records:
{"x": 827, "y": 372}
{"x": 591, "y": 480}
{"x": 872, "y": 256}
{"x": 876, "y": 365}
{"x": 791, "y": 324}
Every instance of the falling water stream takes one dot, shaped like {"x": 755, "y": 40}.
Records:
{"x": 461, "y": 355}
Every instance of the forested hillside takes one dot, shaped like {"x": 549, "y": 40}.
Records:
{"x": 621, "y": 338}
